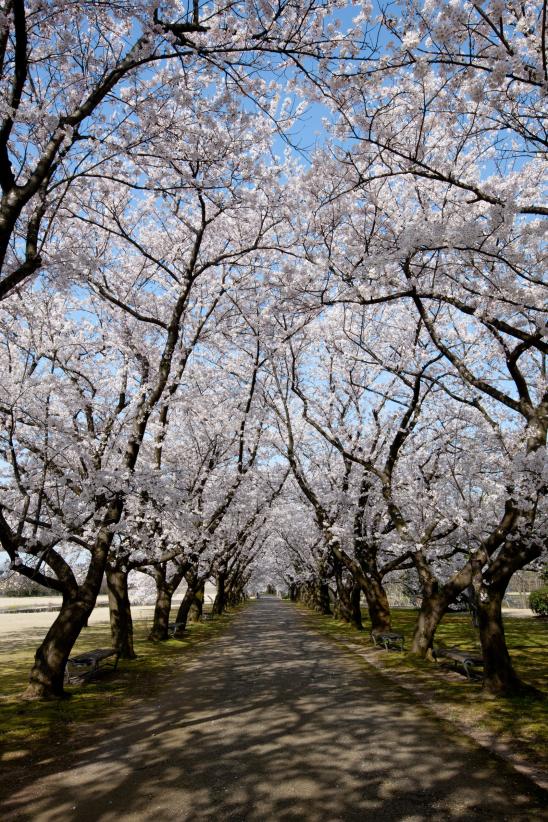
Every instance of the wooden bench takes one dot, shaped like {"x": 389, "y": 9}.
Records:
{"x": 388, "y": 640}
{"x": 86, "y": 665}
{"x": 465, "y": 660}
{"x": 173, "y": 626}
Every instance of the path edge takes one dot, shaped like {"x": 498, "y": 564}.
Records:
{"x": 522, "y": 764}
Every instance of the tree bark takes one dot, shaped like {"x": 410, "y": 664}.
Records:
{"x": 121, "y": 623}
{"x": 48, "y": 672}
{"x": 500, "y": 678}
{"x": 348, "y": 598}
{"x": 238, "y": 596}
{"x": 162, "y": 608}
{"x": 322, "y": 598}
{"x": 433, "y": 608}
{"x": 196, "y": 609}
{"x": 377, "y": 605}
{"x": 219, "y": 604}
{"x": 489, "y": 582}
{"x": 355, "y": 604}
{"x": 365, "y": 571}
{"x": 182, "y": 614}
{"x": 436, "y": 598}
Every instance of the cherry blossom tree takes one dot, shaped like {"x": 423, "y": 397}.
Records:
{"x": 430, "y": 195}
{"x": 158, "y": 270}
{"x": 296, "y": 555}
{"x": 82, "y": 86}
{"x": 439, "y": 510}
{"x": 182, "y": 311}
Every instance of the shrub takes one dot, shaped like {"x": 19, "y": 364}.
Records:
{"x": 538, "y": 601}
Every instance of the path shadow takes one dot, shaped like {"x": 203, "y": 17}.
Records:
{"x": 271, "y": 722}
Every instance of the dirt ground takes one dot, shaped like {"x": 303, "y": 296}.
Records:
{"x": 271, "y": 722}
{"x": 21, "y": 623}
{"x": 16, "y": 620}
{"x": 11, "y": 623}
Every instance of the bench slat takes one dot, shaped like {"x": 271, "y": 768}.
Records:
{"x": 468, "y": 660}
{"x": 388, "y": 640}
{"x": 91, "y": 661}
{"x": 172, "y": 627}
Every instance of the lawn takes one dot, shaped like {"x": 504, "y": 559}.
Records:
{"x": 523, "y": 721}
{"x": 29, "y": 727}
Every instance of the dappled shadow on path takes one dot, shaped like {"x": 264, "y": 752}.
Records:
{"x": 271, "y": 722}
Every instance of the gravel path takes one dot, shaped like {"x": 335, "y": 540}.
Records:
{"x": 271, "y": 722}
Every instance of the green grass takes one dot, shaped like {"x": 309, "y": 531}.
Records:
{"x": 28, "y": 727}
{"x": 523, "y": 720}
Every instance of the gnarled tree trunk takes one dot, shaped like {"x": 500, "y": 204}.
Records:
{"x": 165, "y": 589}
{"x": 436, "y": 598}
{"x": 348, "y": 597}
{"x": 322, "y": 599}
{"x": 355, "y": 604}
{"x": 197, "y": 607}
{"x": 377, "y": 604}
{"x": 184, "y": 608}
{"x": 499, "y": 678}
{"x": 490, "y": 584}
{"x": 121, "y": 623}
{"x": 48, "y": 671}
{"x": 162, "y": 608}
{"x": 434, "y": 605}
{"x": 219, "y": 603}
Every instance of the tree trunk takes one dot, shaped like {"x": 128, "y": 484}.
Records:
{"x": 355, "y": 605}
{"x": 234, "y": 590}
{"x": 433, "y": 607}
{"x": 239, "y": 596}
{"x": 377, "y": 605}
{"x": 366, "y": 574}
{"x": 347, "y": 611}
{"x": 182, "y": 613}
{"x": 196, "y": 609}
{"x": 336, "y": 607}
{"x": 341, "y": 604}
{"x": 231, "y": 597}
{"x": 48, "y": 672}
{"x": 162, "y": 608}
{"x": 219, "y": 603}
{"x": 322, "y": 598}
{"x": 499, "y": 679}
{"x": 348, "y": 602}
{"x": 121, "y": 623}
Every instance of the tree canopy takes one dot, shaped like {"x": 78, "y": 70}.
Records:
{"x": 234, "y": 350}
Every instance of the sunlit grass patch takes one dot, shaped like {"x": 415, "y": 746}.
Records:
{"x": 27, "y": 726}
{"x": 523, "y": 719}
